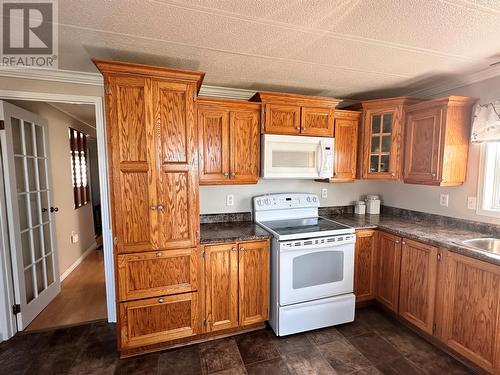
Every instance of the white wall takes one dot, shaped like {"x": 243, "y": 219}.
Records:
{"x": 67, "y": 219}
{"x": 426, "y": 198}
{"x": 213, "y": 198}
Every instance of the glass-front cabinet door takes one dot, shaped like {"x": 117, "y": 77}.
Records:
{"x": 381, "y": 143}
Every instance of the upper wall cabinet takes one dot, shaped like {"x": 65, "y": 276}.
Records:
{"x": 296, "y": 114}
{"x": 228, "y": 141}
{"x": 345, "y": 150}
{"x": 437, "y": 141}
{"x": 380, "y": 147}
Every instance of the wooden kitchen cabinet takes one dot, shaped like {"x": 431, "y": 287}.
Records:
{"x": 437, "y": 141}
{"x": 236, "y": 284}
{"x": 292, "y": 114}
{"x": 417, "y": 295}
{"x": 153, "y": 164}
{"x": 389, "y": 268}
{"x": 470, "y": 310}
{"x": 253, "y": 276}
{"x": 228, "y": 142}
{"x": 365, "y": 263}
{"x": 380, "y": 150}
{"x": 155, "y": 320}
{"x": 345, "y": 149}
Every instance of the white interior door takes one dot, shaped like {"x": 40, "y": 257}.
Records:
{"x": 30, "y": 211}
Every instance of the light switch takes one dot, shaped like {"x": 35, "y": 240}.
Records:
{"x": 230, "y": 200}
{"x": 74, "y": 237}
{"x": 444, "y": 199}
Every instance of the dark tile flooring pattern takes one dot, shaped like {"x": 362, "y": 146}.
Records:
{"x": 374, "y": 344}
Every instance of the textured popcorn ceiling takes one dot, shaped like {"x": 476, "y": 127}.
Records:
{"x": 344, "y": 48}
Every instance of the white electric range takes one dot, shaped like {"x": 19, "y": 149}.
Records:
{"x": 312, "y": 264}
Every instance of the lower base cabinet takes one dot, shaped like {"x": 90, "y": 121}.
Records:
{"x": 470, "y": 310}
{"x": 365, "y": 261}
{"x": 454, "y": 298}
{"x": 236, "y": 284}
{"x": 153, "y": 320}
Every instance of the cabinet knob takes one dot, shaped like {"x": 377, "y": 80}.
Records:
{"x": 404, "y": 243}
{"x": 433, "y": 175}
{"x": 242, "y": 249}
{"x": 226, "y": 174}
{"x": 397, "y": 241}
{"x": 393, "y": 174}
{"x": 152, "y": 208}
{"x": 160, "y": 207}
{"x": 233, "y": 249}
{"x": 161, "y": 300}
{"x": 158, "y": 254}
{"x": 298, "y": 128}
{"x": 233, "y": 174}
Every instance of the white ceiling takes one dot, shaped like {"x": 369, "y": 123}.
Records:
{"x": 343, "y": 48}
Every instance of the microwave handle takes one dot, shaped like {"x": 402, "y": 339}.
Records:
{"x": 321, "y": 157}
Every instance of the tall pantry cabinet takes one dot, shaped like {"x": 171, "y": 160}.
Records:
{"x": 150, "y": 116}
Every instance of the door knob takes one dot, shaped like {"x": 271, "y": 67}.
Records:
{"x": 54, "y": 209}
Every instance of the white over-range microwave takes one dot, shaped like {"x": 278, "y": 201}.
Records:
{"x": 291, "y": 156}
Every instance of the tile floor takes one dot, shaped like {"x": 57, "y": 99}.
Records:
{"x": 374, "y": 344}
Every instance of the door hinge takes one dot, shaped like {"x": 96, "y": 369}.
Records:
{"x": 434, "y": 328}
{"x": 204, "y": 254}
{"x": 16, "y": 309}
{"x": 205, "y": 322}
{"x": 439, "y": 257}
{"x": 2, "y": 125}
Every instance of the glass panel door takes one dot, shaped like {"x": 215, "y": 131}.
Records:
{"x": 381, "y": 142}
{"x": 31, "y": 229}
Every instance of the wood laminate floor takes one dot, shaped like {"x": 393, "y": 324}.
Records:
{"x": 373, "y": 344}
{"x": 82, "y": 297}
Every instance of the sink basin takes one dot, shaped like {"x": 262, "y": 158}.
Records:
{"x": 491, "y": 245}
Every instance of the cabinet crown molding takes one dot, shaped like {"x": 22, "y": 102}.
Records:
{"x": 110, "y": 66}
{"x": 295, "y": 99}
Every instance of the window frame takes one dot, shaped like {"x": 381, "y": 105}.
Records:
{"x": 78, "y": 144}
{"x": 489, "y": 180}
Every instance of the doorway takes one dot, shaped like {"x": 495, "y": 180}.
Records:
{"x": 40, "y": 264}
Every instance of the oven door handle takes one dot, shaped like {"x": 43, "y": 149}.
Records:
{"x": 320, "y": 247}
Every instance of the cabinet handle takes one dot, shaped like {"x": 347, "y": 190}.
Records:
{"x": 393, "y": 174}
{"x": 298, "y": 128}
{"x": 433, "y": 175}
{"x": 226, "y": 174}
{"x": 233, "y": 249}
{"x": 397, "y": 241}
{"x": 233, "y": 174}
{"x": 439, "y": 257}
{"x": 158, "y": 254}
{"x": 161, "y": 300}
{"x": 242, "y": 249}
{"x": 160, "y": 207}
{"x": 404, "y": 243}
{"x": 153, "y": 208}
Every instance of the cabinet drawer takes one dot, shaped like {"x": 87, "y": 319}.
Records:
{"x": 157, "y": 273}
{"x": 161, "y": 319}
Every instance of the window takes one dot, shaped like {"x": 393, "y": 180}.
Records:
{"x": 489, "y": 184}
{"x": 78, "y": 147}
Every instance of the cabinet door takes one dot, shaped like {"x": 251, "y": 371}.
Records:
{"x": 345, "y": 150}
{"x": 282, "y": 119}
{"x": 155, "y": 320}
{"x": 364, "y": 265}
{"x": 471, "y": 310}
{"x": 382, "y": 144}
{"x": 253, "y": 282}
{"x": 316, "y": 122}
{"x": 418, "y": 284}
{"x": 159, "y": 273}
{"x": 389, "y": 262}
{"x": 132, "y": 163}
{"x": 221, "y": 286}
{"x": 424, "y": 130}
{"x": 245, "y": 146}
{"x": 213, "y": 146}
{"x": 177, "y": 169}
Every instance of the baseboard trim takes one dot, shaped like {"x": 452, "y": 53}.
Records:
{"x": 77, "y": 262}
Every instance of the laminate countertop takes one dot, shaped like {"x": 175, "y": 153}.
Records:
{"x": 232, "y": 232}
{"x": 432, "y": 233}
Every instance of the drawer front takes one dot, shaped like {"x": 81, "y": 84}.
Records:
{"x": 158, "y": 273}
{"x": 157, "y": 320}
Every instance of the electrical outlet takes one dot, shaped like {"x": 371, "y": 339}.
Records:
{"x": 444, "y": 200}
{"x": 324, "y": 193}
{"x": 230, "y": 200}
{"x": 471, "y": 203}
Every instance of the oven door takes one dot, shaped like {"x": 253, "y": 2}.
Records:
{"x": 309, "y": 272}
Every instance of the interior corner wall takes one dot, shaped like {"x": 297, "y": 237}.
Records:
{"x": 67, "y": 219}
{"x": 426, "y": 198}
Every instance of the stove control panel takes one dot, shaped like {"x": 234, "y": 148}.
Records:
{"x": 286, "y": 200}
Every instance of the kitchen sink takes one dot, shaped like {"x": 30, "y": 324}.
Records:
{"x": 491, "y": 245}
